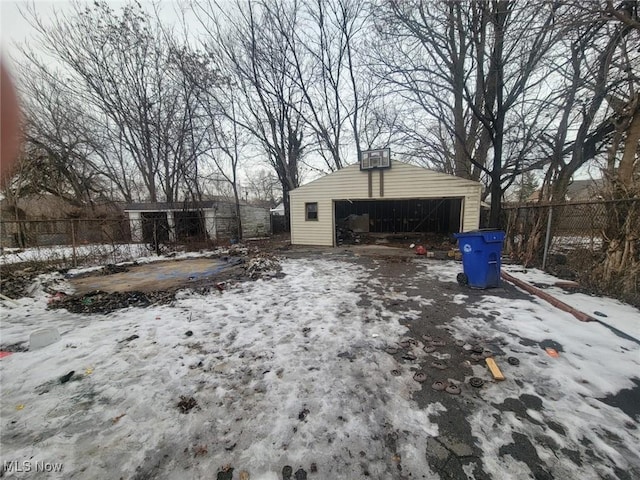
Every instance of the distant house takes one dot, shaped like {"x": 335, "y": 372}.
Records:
{"x": 585, "y": 190}
{"x": 278, "y": 210}
{"x": 578, "y": 191}
{"x": 205, "y": 220}
{"x": 35, "y": 207}
{"x": 581, "y": 219}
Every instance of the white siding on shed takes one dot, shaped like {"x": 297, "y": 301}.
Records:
{"x": 219, "y": 221}
{"x": 256, "y": 221}
{"x": 401, "y": 181}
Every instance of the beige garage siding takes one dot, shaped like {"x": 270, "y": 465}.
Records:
{"x": 401, "y": 181}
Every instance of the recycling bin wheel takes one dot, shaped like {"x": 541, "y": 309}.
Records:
{"x": 462, "y": 279}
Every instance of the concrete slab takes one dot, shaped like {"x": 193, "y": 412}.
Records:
{"x": 159, "y": 276}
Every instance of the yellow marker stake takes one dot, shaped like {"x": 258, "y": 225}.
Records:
{"x": 20, "y": 407}
{"x": 493, "y": 368}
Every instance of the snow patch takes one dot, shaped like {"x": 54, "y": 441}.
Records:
{"x": 593, "y": 363}
{"x": 286, "y": 371}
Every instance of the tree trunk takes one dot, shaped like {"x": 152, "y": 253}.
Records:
{"x": 495, "y": 93}
{"x": 238, "y": 213}
{"x": 496, "y": 200}
{"x": 621, "y": 267}
{"x": 287, "y": 206}
{"x": 630, "y": 155}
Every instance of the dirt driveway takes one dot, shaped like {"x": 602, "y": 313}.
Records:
{"x": 325, "y": 372}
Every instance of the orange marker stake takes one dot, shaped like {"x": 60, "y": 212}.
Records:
{"x": 552, "y": 352}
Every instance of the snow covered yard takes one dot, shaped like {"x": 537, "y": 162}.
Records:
{"x": 574, "y": 416}
{"x": 93, "y": 254}
{"x": 555, "y": 406}
{"x": 609, "y": 311}
{"x": 296, "y": 371}
{"x": 112, "y": 253}
{"x": 287, "y": 371}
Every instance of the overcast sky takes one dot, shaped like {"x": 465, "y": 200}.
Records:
{"x": 14, "y": 28}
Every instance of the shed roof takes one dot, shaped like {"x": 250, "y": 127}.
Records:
{"x": 585, "y": 189}
{"x": 162, "y": 206}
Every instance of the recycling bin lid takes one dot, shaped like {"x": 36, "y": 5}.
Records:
{"x": 489, "y": 235}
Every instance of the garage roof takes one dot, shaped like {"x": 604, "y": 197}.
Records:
{"x": 457, "y": 181}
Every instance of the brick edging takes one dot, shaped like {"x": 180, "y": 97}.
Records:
{"x": 583, "y": 317}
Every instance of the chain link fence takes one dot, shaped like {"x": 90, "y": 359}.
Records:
{"x": 575, "y": 241}
{"x": 67, "y": 242}
{"x": 76, "y": 242}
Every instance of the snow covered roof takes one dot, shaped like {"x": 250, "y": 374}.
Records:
{"x": 161, "y": 206}
{"x": 279, "y": 209}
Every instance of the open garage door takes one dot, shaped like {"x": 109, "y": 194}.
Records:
{"x": 441, "y": 216}
{"x": 155, "y": 227}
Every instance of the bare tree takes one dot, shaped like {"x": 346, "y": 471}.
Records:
{"x": 60, "y": 148}
{"x": 122, "y": 70}
{"x": 254, "y": 59}
{"x": 326, "y": 41}
{"x": 229, "y": 142}
{"x": 423, "y": 51}
{"x": 472, "y": 67}
{"x": 621, "y": 267}
{"x": 263, "y": 186}
{"x": 217, "y": 103}
{"x": 591, "y": 74}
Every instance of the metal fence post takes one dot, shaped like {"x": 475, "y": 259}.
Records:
{"x": 547, "y": 238}
{"x": 73, "y": 245}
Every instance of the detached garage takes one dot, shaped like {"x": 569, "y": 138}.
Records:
{"x": 379, "y": 197}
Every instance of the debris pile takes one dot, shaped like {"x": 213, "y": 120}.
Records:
{"x": 237, "y": 250}
{"x": 7, "y": 349}
{"x": 186, "y": 404}
{"x": 263, "y": 266}
{"x": 19, "y": 283}
{"x": 111, "y": 268}
{"x": 103, "y": 302}
{"x": 347, "y": 236}
{"x": 29, "y": 280}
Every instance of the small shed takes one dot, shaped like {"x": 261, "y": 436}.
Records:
{"x": 383, "y": 197}
{"x": 204, "y": 220}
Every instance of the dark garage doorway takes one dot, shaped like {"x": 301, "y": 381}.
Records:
{"x": 189, "y": 225}
{"x": 441, "y": 216}
{"x": 155, "y": 227}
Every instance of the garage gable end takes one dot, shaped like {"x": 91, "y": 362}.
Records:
{"x": 400, "y": 183}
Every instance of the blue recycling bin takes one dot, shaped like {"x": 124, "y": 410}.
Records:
{"x": 481, "y": 258}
